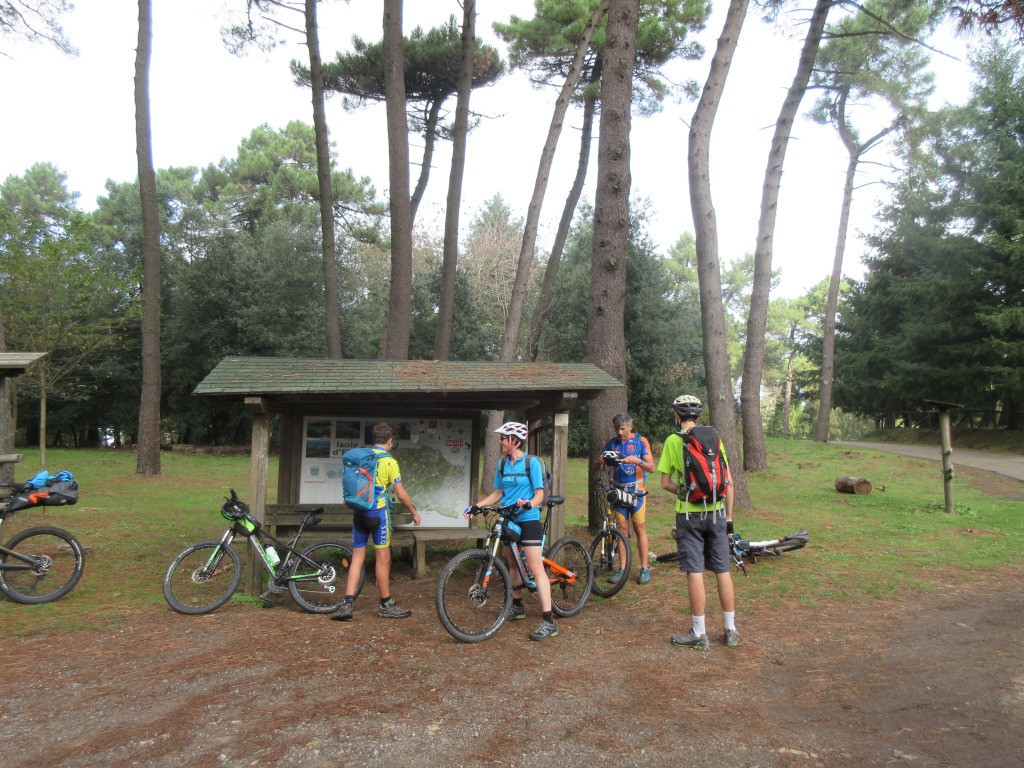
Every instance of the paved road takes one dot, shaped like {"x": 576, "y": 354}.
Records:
{"x": 1008, "y": 464}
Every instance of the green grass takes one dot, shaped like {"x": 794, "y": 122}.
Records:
{"x": 895, "y": 542}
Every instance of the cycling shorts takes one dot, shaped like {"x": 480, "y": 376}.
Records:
{"x": 638, "y": 514}
{"x": 532, "y": 533}
{"x": 381, "y": 536}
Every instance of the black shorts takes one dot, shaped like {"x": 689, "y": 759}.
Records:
{"x": 533, "y": 533}
{"x": 702, "y": 542}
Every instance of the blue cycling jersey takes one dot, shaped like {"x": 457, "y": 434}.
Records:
{"x": 516, "y": 481}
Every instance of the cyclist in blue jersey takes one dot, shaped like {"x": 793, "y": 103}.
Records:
{"x": 634, "y": 460}
{"x": 520, "y": 481}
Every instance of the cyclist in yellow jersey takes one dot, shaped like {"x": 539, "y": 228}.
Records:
{"x": 388, "y": 475}
{"x": 702, "y": 532}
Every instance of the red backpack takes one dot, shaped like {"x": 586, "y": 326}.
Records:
{"x": 705, "y": 466}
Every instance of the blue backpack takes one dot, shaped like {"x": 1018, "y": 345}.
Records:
{"x": 359, "y": 487}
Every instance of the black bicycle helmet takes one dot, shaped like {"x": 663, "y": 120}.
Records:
{"x": 687, "y": 406}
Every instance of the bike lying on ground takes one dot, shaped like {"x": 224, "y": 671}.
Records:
{"x": 742, "y": 548}
{"x": 42, "y": 564}
{"x": 474, "y": 591}
{"x": 204, "y": 576}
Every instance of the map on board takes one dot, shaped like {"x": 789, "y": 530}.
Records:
{"x": 433, "y": 454}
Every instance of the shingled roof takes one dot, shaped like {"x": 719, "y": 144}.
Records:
{"x": 318, "y": 379}
{"x": 16, "y": 363}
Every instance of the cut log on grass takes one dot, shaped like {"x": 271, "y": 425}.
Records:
{"x": 857, "y": 485}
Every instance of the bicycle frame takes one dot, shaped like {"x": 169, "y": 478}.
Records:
{"x": 496, "y": 538}
{"x": 279, "y": 575}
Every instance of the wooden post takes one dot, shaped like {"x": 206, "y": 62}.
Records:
{"x": 946, "y": 439}
{"x": 6, "y": 431}
{"x": 7, "y": 462}
{"x": 559, "y": 471}
{"x": 258, "y": 469}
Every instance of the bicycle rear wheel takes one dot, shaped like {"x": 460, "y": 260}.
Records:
{"x": 202, "y": 578}
{"x": 55, "y": 562}
{"x": 604, "y": 556}
{"x": 321, "y": 588}
{"x": 472, "y": 603}
{"x": 569, "y": 596}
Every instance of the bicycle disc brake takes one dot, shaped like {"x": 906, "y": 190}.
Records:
{"x": 479, "y": 595}
{"x": 41, "y": 564}
{"x": 327, "y": 576}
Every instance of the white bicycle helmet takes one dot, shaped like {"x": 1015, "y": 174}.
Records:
{"x": 687, "y": 406}
{"x": 514, "y": 429}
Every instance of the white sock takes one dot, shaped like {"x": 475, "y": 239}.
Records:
{"x": 730, "y": 620}
{"x": 698, "y": 626}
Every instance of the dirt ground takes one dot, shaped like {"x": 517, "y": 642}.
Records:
{"x": 935, "y": 681}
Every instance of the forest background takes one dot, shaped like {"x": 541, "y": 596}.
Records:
{"x": 938, "y": 314}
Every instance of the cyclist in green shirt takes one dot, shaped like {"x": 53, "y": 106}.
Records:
{"x": 702, "y": 532}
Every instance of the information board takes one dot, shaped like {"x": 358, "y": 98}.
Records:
{"x": 433, "y": 454}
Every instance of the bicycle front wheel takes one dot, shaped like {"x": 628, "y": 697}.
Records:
{"x": 319, "y": 587}
{"x": 45, "y": 565}
{"x": 569, "y": 592}
{"x": 202, "y": 578}
{"x": 473, "y": 596}
{"x": 604, "y": 555}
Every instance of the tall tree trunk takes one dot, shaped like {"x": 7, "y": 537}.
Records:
{"x": 429, "y": 140}
{"x": 526, "y": 252}
{"x": 606, "y": 313}
{"x": 148, "y": 456}
{"x": 453, "y": 207}
{"x": 328, "y": 244}
{"x": 547, "y": 288}
{"x": 7, "y": 424}
{"x": 755, "y": 453}
{"x": 43, "y": 384}
{"x": 395, "y": 342}
{"x": 787, "y": 395}
{"x": 855, "y": 151}
{"x": 828, "y": 339}
{"x": 721, "y": 411}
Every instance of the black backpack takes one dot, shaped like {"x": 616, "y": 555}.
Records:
{"x": 705, "y": 466}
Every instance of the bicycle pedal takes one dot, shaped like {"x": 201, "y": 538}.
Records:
{"x": 267, "y": 598}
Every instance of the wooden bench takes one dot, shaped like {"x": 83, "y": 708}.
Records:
{"x": 284, "y": 520}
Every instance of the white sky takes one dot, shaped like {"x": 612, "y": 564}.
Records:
{"x": 78, "y": 113}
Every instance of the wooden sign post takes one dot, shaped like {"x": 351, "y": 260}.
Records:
{"x": 946, "y": 438}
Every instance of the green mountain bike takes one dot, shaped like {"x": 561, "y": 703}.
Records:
{"x": 204, "y": 576}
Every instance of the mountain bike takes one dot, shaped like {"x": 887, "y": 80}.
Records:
{"x": 204, "y": 576}
{"x": 474, "y": 590}
{"x": 609, "y": 551}
{"x": 742, "y": 548}
{"x": 41, "y": 564}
